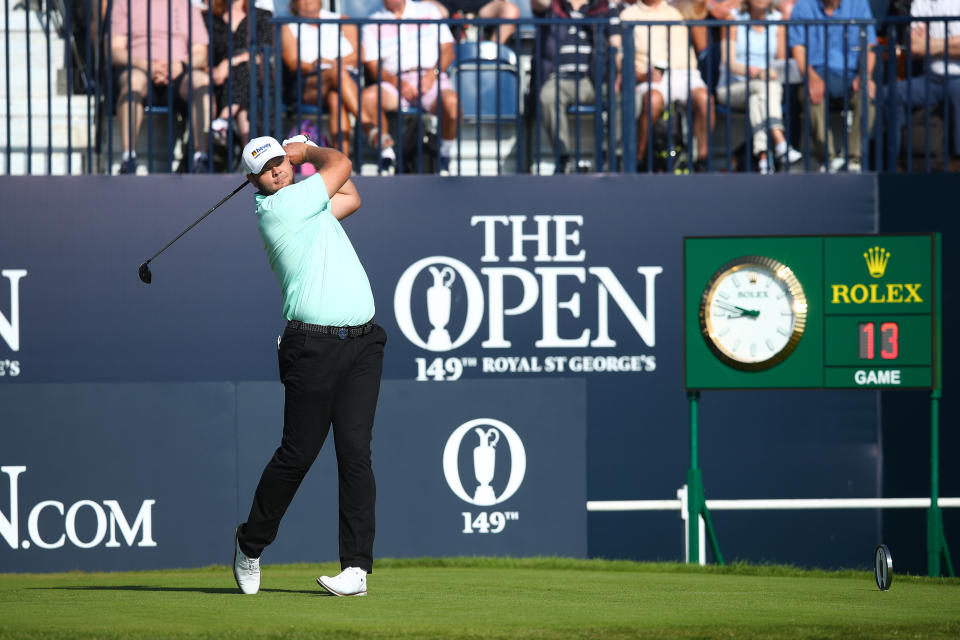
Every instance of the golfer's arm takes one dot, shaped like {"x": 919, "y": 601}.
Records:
{"x": 333, "y": 167}
{"x": 345, "y": 201}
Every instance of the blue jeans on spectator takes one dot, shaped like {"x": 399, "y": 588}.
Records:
{"x": 916, "y": 95}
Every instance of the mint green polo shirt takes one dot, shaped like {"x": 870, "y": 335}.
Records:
{"x": 321, "y": 276}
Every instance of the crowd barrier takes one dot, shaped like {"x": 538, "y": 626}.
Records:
{"x": 65, "y": 97}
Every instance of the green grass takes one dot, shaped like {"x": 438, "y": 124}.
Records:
{"x": 478, "y": 598}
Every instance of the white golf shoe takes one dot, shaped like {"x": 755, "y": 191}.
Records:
{"x": 352, "y": 581}
{"x": 246, "y": 570}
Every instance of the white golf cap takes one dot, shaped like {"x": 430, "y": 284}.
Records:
{"x": 259, "y": 151}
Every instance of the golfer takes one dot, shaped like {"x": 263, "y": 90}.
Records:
{"x": 330, "y": 354}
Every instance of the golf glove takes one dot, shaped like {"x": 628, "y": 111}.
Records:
{"x": 299, "y": 138}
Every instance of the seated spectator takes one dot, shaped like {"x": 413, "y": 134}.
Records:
{"x": 705, "y": 44}
{"x": 325, "y": 60}
{"x": 940, "y": 85}
{"x": 661, "y": 71}
{"x": 754, "y": 84}
{"x": 837, "y": 75}
{"x": 698, "y": 10}
{"x": 785, "y": 7}
{"x": 721, "y": 9}
{"x": 422, "y": 80}
{"x": 567, "y": 66}
{"x": 230, "y": 43}
{"x": 485, "y": 10}
{"x": 137, "y": 53}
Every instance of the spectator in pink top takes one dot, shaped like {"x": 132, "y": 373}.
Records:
{"x": 174, "y": 53}
{"x": 412, "y": 72}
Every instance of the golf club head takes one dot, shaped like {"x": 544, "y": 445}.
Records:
{"x": 145, "y": 276}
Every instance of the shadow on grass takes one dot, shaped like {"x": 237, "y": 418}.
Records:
{"x": 209, "y": 590}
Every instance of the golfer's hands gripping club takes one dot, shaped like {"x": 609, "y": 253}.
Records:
{"x": 296, "y": 148}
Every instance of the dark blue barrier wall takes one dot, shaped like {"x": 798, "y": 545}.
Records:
{"x": 176, "y": 464}
{"x": 923, "y": 203}
{"x": 551, "y": 284}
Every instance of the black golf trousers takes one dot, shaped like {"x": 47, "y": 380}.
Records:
{"x": 327, "y": 380}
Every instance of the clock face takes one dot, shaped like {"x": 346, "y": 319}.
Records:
{"x": 753, "y": 313}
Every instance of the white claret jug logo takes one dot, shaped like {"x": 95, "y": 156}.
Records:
{"x": 438, "y": 308}
{"x": 488, "y": 432}
{"x": 439, "y": 298}
{"x": 56, "y": 538}
{"x": 10, "y": 329}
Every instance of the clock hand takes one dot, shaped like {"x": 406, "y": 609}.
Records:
{"x": 732, "y": 308}
{"x": 726, "y": 305}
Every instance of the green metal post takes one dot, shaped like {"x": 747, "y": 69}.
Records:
{"x": 934, "y": 516}
{"x": 937, "y": 551}
{"x": 696, "y": 498}
{"x": 694, "y": 486}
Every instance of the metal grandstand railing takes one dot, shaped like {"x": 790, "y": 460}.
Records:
{"x": 61, "y": 83}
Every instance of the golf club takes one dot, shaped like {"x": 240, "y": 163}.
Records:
{"x": 145, "y": 276}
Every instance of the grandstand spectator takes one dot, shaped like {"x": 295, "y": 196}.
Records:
{"x": 567, "y": 66}
{"x": 663, "y": 71}
{"x": 721, "y": 9}
{"x": 940, "y": 85}
{"x": 837, "y": 75}
{"x": 707, "y": 48}
{"x": 785, "y": 7}
{"x": 135, "y": 52}
{"x": 485, "y": 10}
{"x": 421, "y": 81}
{"x": 698, "y": 10}
{"x": 754, "y": 83}
{"x": 230, "y": 45}
{"x": 325, "y": 61}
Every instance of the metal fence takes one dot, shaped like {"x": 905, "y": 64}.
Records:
{"x": 79, "y": 100}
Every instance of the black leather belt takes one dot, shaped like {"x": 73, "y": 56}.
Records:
{"x": 327, "y": 330}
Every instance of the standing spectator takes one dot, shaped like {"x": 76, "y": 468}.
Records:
{"x": 753, "y": 83}
{"x": 661, "y": 71}
{"x": 422, "y": 79}
{"x": 837, "y": 75}
{"x": 940, "y": 85}
{"x": 230, "y": 43}
{"x": 182, "y": 67}
{"x": 332, "y": 50}
{"x": 567, "y": 66}
{"x": 485, "y": 10}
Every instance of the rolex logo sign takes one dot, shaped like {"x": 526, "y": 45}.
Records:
{"x": 877, "y": 258}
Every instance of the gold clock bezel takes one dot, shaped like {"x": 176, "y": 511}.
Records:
{"x": 782, "y": 273}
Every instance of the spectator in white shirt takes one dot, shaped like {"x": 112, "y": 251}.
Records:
{"x": 324, "y": 60}
{"x": 410, "y": 60}
{"x": 940, "y": 80}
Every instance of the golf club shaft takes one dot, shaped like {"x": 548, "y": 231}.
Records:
{"x": 197, "y": 221}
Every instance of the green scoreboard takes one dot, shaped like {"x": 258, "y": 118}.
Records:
{"x": 812, "y": 312}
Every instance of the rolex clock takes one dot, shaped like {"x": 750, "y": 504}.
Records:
{"x": 753, "y": 312}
